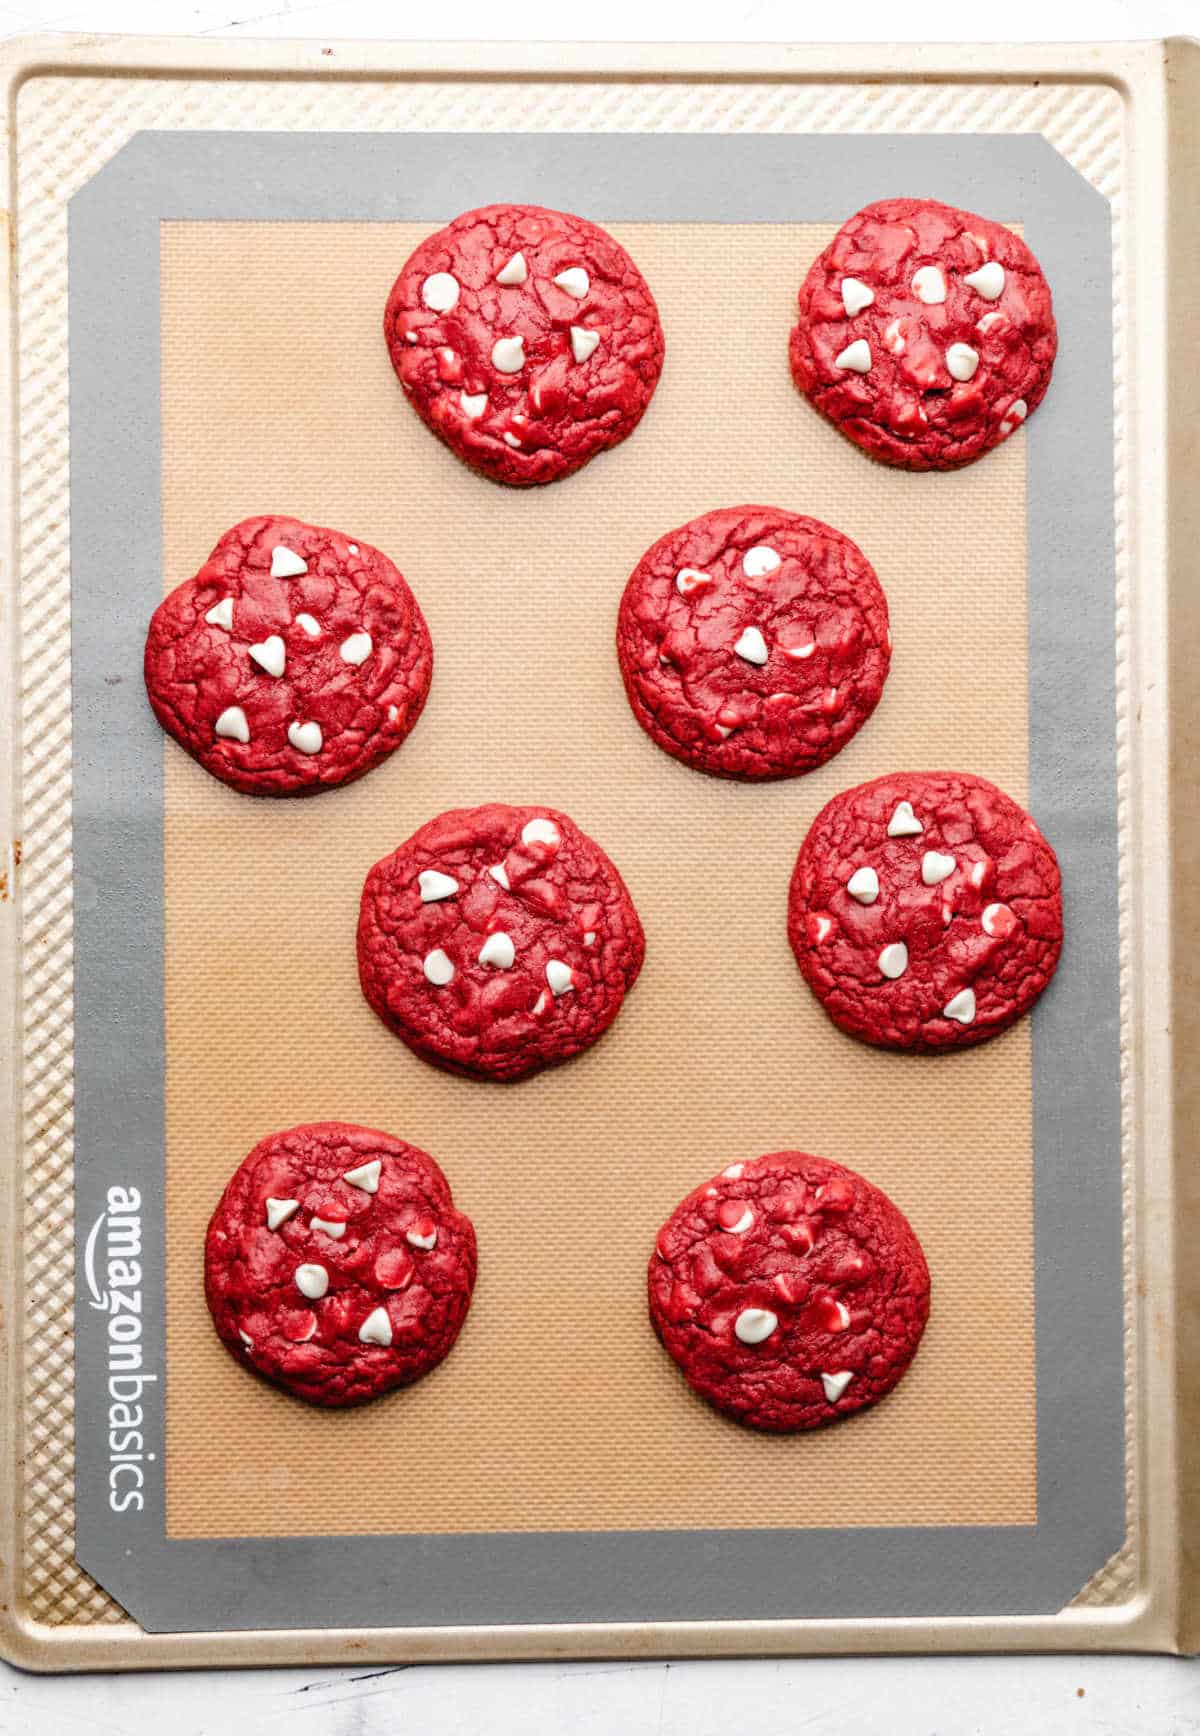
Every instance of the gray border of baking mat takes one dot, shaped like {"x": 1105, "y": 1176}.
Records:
{"x": 641, "y": 1576}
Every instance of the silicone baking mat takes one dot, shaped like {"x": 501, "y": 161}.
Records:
{"x": 556, "y": 1466}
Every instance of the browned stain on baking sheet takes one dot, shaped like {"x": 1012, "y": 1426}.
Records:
{"x": 558, "y": 1409}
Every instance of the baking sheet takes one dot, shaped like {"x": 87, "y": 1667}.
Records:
{"x": 292, "y": 396}
{"x": 1123, "y": 119}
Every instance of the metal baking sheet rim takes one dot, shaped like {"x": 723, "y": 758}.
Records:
{"x": 1159, "y": 84}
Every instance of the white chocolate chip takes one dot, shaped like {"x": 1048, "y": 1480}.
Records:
{"x": 583, "y": 342}
{"x": 893, "y": 960}
{"x": 435, "y": 885}
{"x": 499, "y": 874}
{"x": 742, "y": 1225}
{"x": 393, "y": 713}
{"x": 935, "y": 867}
{"x": 511, "y": 440}
{"x": 376, "y": 1328}
{"x": 760, "y": 560}
{"x": 416, "y": 1240}
{"x": 270, "y": 655}
{"x": 246, "y": 1339}
{"x": 689, "y": 579}
{"x": 440, "y": 292}
{"x": 330, "y": 1226}
{"x": 929, "y": 285}
{"x": 904, "y": 823}
{"x": 366, "y": 1176}
{"x": 752, "y": 647}
{"x": 438, "y": 968}
{"x": 312, "y": 1281}
{"x": 988, "y": 280}
{"x": 754, "y": 1324}
{"x": 962, "y": 361}
{"x": 508, "y": 355}
{"x": 961, "y": 1008}
{"x": 473, "y": 404}
{"x": 232, "y": 723}
{"x": 988, "y": 321}
{"x": 356, "y": 649}
{"x": 575, "y": 281}
{"x": 863, "y": 884}
{"x": 1014, "y": 416}
{"x": 589, "y": 938}
{"x": 286, "y": 563}
{"x": 353, "y": 548}
{"x": 498, "y": 950}
{"x": 306, "y": 737}
{"x": 560, "y": 977}
{"x": 856, "y": 357}
{"x": 735, "y": 1171}
{"x": 516, "y": 271}
{"x": 541, "y": 831}
{"x": 539, "y": 1006}
{"x": 799, "y": 652}
{"x": 221, "y": 614}
{"x": 823, "y": 926}
{"x": 836, "y": 1384}
{"x": 843, "y": 1314}
{"x": 893, "y": 337}
{"x": 279, "y": 1211}
{"x": 856, "y": 295}
{"x": 311, "y": 626}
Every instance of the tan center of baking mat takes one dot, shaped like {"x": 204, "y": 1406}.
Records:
{"x": 558, "y": 1410}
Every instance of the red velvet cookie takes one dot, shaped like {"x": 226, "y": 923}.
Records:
{"x": 790, "y": 1292}
{"x": 925, "y": 910}
{"x": 527, "y": 339}
{"x": 336, "y": 1265}
{"x": 498, "y": 940}
{"x": 753, "y": 642}
{"x": 925, "y": 333}
{"x": 294, "y": 660}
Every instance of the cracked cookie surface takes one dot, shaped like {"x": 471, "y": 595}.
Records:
{"x": 790, "y": 1291}
{"x": 925, "y": 910}
{"x": 753, "y": 642}
{"x": 926, "y": 333}
{"x": 498, "y": 940}
{"x": 297, "y": 659}
{"x": 527, "y": 339}
{"x": 336, "y": 1265}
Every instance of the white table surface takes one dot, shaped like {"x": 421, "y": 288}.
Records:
{"x": 831, "y": 1697}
